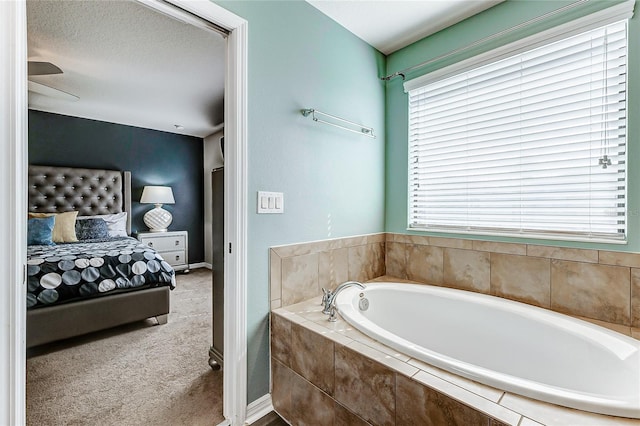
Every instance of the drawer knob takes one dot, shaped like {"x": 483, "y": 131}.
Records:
{"x": 150, "y": 244}
{"x": 177, "y": 257}
{"x": 177, "y": 242}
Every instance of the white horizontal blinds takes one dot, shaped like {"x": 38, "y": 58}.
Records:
{"x": 531, "y": 144}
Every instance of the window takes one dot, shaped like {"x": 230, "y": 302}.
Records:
{"x": 532, "y": 144}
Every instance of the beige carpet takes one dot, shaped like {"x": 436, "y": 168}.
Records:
{"x": 139, "y": 374}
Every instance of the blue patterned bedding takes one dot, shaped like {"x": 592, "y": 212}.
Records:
{"x": 91, "y": 268}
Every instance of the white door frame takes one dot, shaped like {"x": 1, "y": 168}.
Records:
{"x": 13, "y": 196}
{"x": 13, "y": 165}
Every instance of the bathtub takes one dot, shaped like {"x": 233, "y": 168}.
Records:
{"x": 501, "y": 343}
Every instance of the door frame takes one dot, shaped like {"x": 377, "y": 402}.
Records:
{"x": 13, "y": 167}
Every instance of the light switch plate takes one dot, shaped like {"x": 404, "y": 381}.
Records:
{"x": 270, "y": 202}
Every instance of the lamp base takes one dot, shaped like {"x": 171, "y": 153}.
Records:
{"x": 157, "y": 219}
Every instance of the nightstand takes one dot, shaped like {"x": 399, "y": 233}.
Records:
{"x": 172, "y": 246}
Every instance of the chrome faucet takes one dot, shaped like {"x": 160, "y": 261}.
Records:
{"x": 329, "y": 298}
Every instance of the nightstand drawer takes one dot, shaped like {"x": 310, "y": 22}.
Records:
{"x": 173, "y": 246}
{"x": 174, "y": 258}
{"x": 165, "y": 243}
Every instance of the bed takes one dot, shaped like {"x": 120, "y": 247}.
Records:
{"x": 103, "y": 279}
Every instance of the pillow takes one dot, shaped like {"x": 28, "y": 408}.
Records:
{"x": 64, "y": 229}
{"x": 40, "y": 230}
{"x": 91, "y": 229}
{"x": 116, "y": 223}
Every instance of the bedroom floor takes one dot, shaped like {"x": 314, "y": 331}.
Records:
{"x": 138, "y": 374}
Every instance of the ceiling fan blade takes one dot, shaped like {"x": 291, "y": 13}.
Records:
{"x": 50, "y": 91}
{"x": 42, "y": 68}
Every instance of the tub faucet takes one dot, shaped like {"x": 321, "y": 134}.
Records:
{"x": 329, "y": 297}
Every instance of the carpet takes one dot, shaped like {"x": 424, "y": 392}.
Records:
{"x": 138, "y": 374}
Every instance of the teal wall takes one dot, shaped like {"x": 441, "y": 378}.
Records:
{"x": 336, "y": 183}
{"x": 494, "y": 20}
{"x": 333, "y": 181}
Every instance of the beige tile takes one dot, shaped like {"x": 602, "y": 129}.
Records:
{"x": 345, "y": 417}
{"x": 380, "y": 237}
{"x": 635, "y": 333}
{"x": 458, "y": 243}
{"x": 620, "y": 258}
{"x": 528, "y": 422}
{"x": 494, "y": 422}
{"x": 407, "y": 239}
{"x": 281, "y": 339}
{"x": 468, "y": 398}
{"x": 360, "y": 240}
{"x": 306, "y": 306}
{"x": 422, "y": 240}
{"x": 386, "y": 359}
{"x": 396, "y": 261}
{"x": 281, "y": 378}
{"x": 635, "y": 297}
{"x": 309, "y": 405}
{"x": 357, "y": 240}
{"x": 389, "y": 237}
{"x": 358, "y": 336}
{"x": 366, "y": 262}
{"x": 492, "y": 394}
{"x": 315, "y": 315}
{"x": 522, "y": 278}
{"x": 334, "y": 335}
{"x": 420, "y": 405}
{"x": 595, "y": 291}
{"x": 333, "y": 268}
{"x": 467, "y": 269}
{"x": 550, "y": 414}
{"x": 299, "y": 278}
{"x": 303, "y": 312}
{"x": 495, "y": 247}
{"x": 425, "y": 263}
{"x": 563, "y": 253}
{"x": 393, "y": 279}
{"x": 291, "y": 250}
{"x": 275, "y": 276}
{"x": 312, "y": 357}
{"x": 339, "y": 326}
{"x": 275, "y": 304}
{"x": 365, "y": 387}
{"x": 378, "y": 256}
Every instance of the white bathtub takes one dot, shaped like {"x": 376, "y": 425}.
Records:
{"x": 508, "y": 345}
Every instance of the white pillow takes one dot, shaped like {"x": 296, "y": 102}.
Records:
{"x": 116, "y": 223}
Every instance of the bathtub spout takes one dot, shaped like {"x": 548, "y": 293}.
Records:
{"x": 329, "y": 297}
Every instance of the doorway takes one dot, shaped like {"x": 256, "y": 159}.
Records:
{"x": 13, "y": 111}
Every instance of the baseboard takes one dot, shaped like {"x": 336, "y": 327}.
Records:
{"x": 200, "y": 265}
{"x": 258, "y": 409}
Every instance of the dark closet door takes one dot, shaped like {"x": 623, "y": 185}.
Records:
{"x": 217, "y": 223}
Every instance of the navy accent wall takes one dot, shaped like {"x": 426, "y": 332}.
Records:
{"x": 153, "y": 157}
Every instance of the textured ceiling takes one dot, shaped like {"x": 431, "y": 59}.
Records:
{"x": 389, "y": 25}
{"x": 128, "y": 64}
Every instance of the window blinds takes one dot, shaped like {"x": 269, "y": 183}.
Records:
{"x": 534, "y": 144}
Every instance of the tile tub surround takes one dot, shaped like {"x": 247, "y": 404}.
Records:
{"x": 595, "y": 284}
{"x": 347, "y": 378}
{"x": 299, "y": 271}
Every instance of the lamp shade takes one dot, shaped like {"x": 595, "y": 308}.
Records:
{"x": 157, "y": 195}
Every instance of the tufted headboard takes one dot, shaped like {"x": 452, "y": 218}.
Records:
{"x": 89, "y": 191}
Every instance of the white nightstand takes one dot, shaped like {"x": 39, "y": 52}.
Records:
{"x": 173, "y": 246}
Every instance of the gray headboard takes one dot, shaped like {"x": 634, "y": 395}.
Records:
{"x": 89, "y": 191}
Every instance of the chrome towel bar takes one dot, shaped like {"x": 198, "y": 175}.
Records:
{"x": 332, "y": 120}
